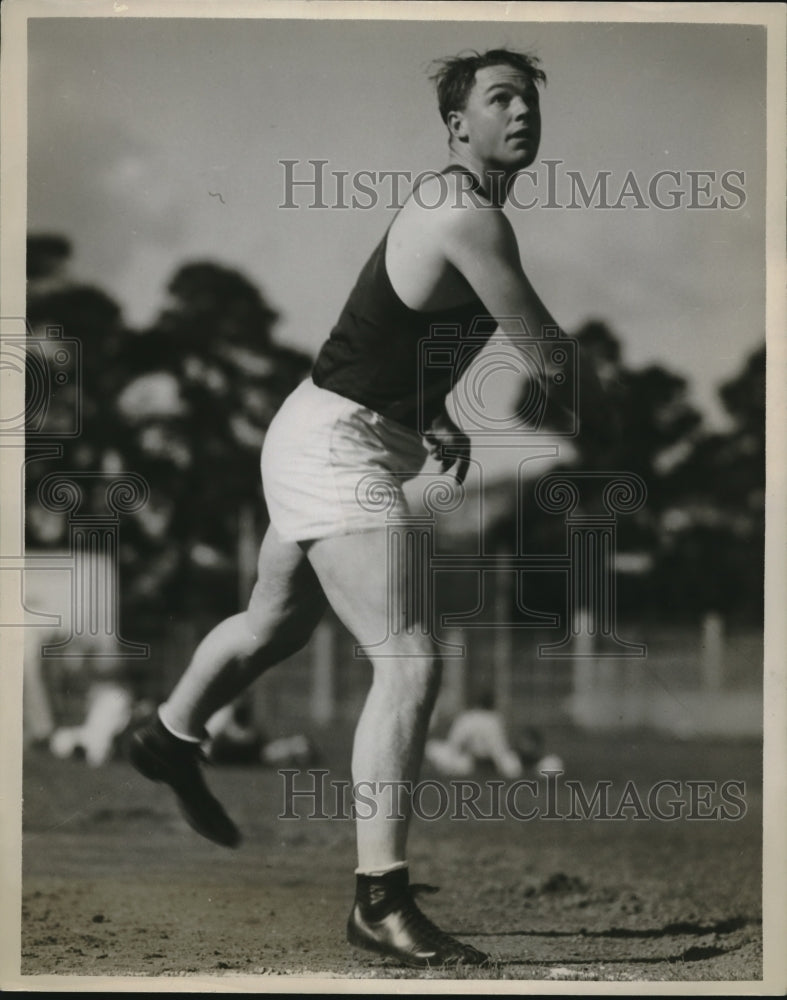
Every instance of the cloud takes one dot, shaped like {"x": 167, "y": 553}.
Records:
{"x": 90, "y": 171}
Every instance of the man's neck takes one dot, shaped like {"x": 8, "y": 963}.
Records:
{"x": 493, "y": 182}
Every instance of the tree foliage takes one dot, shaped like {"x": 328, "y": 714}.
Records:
{"x": 714, "y": 531}
{"x": 185, "y": 404}
{"x": 702, "y": 526}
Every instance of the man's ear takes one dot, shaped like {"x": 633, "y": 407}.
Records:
{"x": 457, "y": 125}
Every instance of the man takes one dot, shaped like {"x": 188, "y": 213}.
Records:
{"x": 355, "y": 429}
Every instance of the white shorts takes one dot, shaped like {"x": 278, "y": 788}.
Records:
{"x": 332, "y": 467}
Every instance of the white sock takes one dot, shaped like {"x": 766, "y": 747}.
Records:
{"x": 377, "y": 872}
{"x": 171, "y": 729}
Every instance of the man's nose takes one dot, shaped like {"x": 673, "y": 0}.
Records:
{"x": 520, "y": 107}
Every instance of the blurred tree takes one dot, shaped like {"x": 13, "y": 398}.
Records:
{"x": 185, "y": 404}
{"x": 72, "y": 377}
{"x": 655, "y": 421}
{"x": 714, "y": 529}
{"x": 47, "y": 262}
{"x": 702, "y": 527}
{"x": 654, "y": 425}
{"x": 203, "y": 384}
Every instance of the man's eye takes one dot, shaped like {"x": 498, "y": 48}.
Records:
{"x": 500, "y": 98}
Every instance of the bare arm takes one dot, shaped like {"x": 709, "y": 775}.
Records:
{"x": 481, "y": 245}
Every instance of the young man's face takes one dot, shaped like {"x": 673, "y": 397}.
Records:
{"x": 501, "y": 122}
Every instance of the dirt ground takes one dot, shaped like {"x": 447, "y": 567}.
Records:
{"x": 115, "y": 883}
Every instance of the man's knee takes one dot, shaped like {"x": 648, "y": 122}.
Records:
{"x": 411, "y": 674}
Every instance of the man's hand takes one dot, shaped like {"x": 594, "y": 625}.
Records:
{"x": 449, "y": 445}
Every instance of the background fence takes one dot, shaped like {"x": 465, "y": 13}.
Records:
{"x": 696, "y": 679}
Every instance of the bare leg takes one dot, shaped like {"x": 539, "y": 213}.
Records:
{"x": 355, "y": 574}
{"x": 370, "y": 597}
{"x": 286, "y": 604}
{"x": 388, "y": 747}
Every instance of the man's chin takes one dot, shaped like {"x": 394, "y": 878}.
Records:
{"x": 515, "y": 166}
{"x": 526, "y": 159}
{"x": 518, "y": 161}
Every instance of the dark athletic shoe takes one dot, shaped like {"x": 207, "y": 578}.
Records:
{"x": 385, "y": 919}
{"x": 160, "y": 756}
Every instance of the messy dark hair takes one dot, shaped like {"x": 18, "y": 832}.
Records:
{"x": 455, "y": 75}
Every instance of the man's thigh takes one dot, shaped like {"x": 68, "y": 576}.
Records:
{"x": 374, "y": 583}
{"x": 286, "y": 584}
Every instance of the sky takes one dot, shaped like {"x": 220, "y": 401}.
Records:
{"x": 152, "y": 142}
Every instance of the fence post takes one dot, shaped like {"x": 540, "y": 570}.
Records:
{"x": 502, "y": 647}
{"x": 453, "y": 689}
{"x": 585, "y": 694}
{"x": 323, "y": 674}
{"x": 712, "y": 655}
{"x": 247, "y": 552}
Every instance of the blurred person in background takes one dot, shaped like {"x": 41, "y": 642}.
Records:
{"x": 478, "y": 736}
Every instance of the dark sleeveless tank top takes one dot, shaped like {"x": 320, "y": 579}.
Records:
{"x": 397, "y": 361}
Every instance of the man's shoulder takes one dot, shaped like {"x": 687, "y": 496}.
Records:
{"x": 448, "y": 206}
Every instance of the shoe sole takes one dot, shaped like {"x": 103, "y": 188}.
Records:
{"x": 150, "y": 766}
{"x": 365, "y": 946}
{"x": 363, "y": 952}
